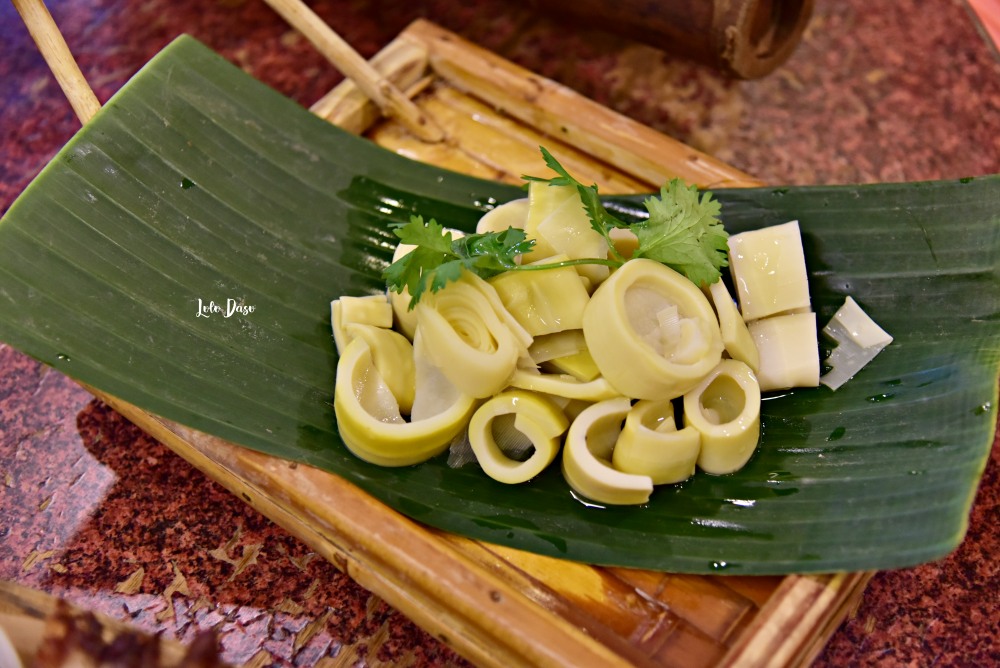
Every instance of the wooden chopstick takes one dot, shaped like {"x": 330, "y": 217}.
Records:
{"x": 56, "y": 52}
{"x": 392, "y": 101}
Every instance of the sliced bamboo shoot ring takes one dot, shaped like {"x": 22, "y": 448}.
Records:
{"x": 587, "y": 454}
{"x": 735, "y": 335}
{"x": 563, "y": 385}
{"x": 625, "y": 332}
{"x": 372, "y": 310}
{"x": 650, "y": 444}
{"x": 509, "y": 214}
{"x": 725, "y": 409}
{"x": 392, "y": 354}
{"x": 468, "y": 338}
{"x": 372, "y": 432}
{"x": 537, "y": 418}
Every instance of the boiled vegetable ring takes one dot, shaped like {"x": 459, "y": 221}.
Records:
{"x": 624, "y": 355}
{"x": 376, "y": 435}
{"x": 586, "y": 461}
{"x": 563, "y": 385}
{"x": 469, "y": 337}
{"x": 650, "y": 444}
{"x": 725, "y": 409}
{"x": 537, "y": 418}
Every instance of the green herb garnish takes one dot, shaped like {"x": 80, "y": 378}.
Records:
{"x": 438, "y": 258}
{"x": 683, "y": 231}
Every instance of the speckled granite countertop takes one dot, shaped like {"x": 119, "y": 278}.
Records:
{"x": 93, "y": 510}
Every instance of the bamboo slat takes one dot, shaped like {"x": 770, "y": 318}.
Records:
{"x": 499, "y": 606}
{"x": 390, "y": 100}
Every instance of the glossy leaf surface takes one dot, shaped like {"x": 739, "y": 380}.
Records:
{"x": 197, "y": 185}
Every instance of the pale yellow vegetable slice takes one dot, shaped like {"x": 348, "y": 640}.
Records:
{"x": 769, "y": 271}
{"x": 725, "y": 409}
{"x": 521, "y": 336}
{"x": 622, "y": 330}
{"x": 735, "y": 335}
{"x": 372, "y": 310}
{"x": 587, "y": 454}
{"x": 650, "y": 444}
{"x": 567, "y": 231}
{"x": 545, "y": 301}
{"x": 435, "y": 393}
{"x": 537, "y": 418}
{"x": 543, "y": 199}
{"x": 563, "y": 385}
{"x": 392, "y": 354}
{"x": 509, "y": 214}
{"x": 624, "y": 240}
{"x": 859, "y": 339}
{"x": 580, "y": 365}
{"x": 373, "y": 431}
{"x": 467, "y": 338}
{"x": 560, "y": 344}
{"x": 789, "y": 351}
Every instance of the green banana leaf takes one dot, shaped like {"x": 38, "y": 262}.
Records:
{"x": 197, "y": 184}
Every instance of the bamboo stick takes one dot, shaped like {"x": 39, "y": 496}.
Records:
{"x": 52, "y": 45}
{"x": 401, "y": 62}
{"x": 393, "y": 102}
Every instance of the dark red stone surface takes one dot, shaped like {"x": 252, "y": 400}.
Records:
{"x": 92, "y": 509}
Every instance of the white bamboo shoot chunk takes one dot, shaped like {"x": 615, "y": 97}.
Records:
{"x": 769, "y": 271}
{"x": 859, "y": 339}
{"x": 789, "y": 354}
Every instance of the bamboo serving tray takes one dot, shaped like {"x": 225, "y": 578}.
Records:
{"x": 499, "y": 606}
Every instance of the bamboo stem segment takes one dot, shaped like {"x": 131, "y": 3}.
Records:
{"x": 390, "y": 100}
{"x": 45, "y": 32}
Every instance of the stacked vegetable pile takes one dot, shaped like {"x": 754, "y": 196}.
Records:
{"x": 558, "y": 327}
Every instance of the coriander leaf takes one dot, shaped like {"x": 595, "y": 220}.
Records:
{"x": 431, "y": 235}
{"x": 412, "y": 271}
{"x": 442, "y": 275}
{"x": 438, "y": 258}
{"x": 494, "y": 252}
{"x": 684, "y": 233}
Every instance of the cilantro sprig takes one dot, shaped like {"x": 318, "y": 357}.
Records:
{"x": 439, "y": 258}
{"x": 682, "y": 231}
